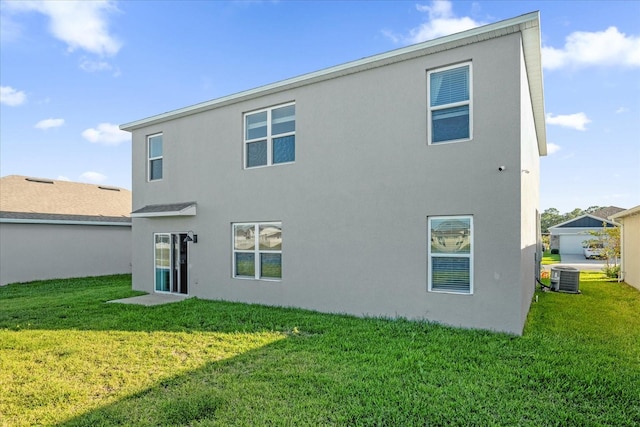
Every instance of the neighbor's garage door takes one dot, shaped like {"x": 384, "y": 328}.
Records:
{"x": 572, "y": 243}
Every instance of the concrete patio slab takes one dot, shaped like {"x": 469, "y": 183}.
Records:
{"x": 151, "y": 299}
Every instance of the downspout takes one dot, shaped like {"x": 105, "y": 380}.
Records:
{"x": 621, "y": 272}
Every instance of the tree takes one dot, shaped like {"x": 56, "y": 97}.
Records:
{"x": 574, "y": 214}
{"x": 592, "y": 209}
{"x": 548, "y": 218}
{"x": 552, "y": 216}
{"x": 608, "y": 241}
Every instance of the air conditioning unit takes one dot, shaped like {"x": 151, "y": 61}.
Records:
{"x": 565, "y": 279}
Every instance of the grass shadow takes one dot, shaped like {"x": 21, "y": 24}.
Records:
{"x": 307, "y": 368}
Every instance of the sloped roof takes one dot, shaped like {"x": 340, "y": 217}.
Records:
{"x": 605, "y": 213}
{"x": 170, "y": 209}
{"x": 584, "y": 221}
{"x": 46, "y": 196}
{"x": 625, "y": 213}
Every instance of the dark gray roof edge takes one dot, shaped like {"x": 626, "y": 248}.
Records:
{"x": 165, "y": 207}
{"x": 62, "y": 218}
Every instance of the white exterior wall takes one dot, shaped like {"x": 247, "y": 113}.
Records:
{"x": 54, "y": 251}
{"x": 630, "y": 248}
{"x": 573, "y": 244}
{"x": 529, "y": 172}
{"x": 571, "y": 238}
{"x": 355, "y": 203}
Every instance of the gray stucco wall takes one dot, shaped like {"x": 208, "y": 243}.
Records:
{"x": 355, "y": 203}
{"x": 53, "y": 251}
{"x": 530, "y": 195}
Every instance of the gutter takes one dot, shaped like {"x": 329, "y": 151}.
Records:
{"x": 62, "y": 222}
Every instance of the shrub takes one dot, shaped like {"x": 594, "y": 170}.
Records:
{"x": 611, "y": 271}
{"x": 555, "y": 251}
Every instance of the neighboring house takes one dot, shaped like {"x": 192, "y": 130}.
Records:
{"x": 569, "y": 236}
{"x": 52, "y": 229}
{"x": 402, "y": 184}
{"x": 629, "y": 244}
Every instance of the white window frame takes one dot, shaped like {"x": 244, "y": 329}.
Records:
{"x": 469, "y": 102}
{"x": 155, "y": 266}
{"x": 150, "y": 159}
{"x": 256, "y": 251}
{"x": 430, "y": 256}
{"x": 268, "y": 137}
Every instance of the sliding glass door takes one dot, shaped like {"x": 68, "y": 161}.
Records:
{"x": 171, "y": 262}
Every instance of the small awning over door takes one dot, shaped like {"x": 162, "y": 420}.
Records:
{"x": 169, "y": 209}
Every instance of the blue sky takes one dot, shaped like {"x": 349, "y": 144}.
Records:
{"x": 71, "y": 72}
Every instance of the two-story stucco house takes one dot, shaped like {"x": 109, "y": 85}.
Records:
{"x": 402, "y": 184}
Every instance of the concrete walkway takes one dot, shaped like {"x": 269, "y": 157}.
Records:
{"x": 151, "y": 299}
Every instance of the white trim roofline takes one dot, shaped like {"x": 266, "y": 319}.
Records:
{"x": 527, "y": 24}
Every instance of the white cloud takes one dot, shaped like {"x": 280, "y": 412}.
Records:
{"x": 601, "y": 48}
{"x": 575, "y": 121}
{"x": 80, "y": 24}
{"x": 93, "y": 66}
{"x": 392, "y": 36}
{"x": 9, "y": 30}
{"x": 93, "y": 177}
{"x": 11, "y": 97}
{"x": 622, "y": 110}
{"x": 62, "y": 178}
{"x": 49, "y": 123}
{"x": 441, "y": 22}
{"x": 107, "y": 134}
{"x": 552, "y": 148}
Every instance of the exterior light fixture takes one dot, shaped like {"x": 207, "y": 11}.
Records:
{"x": 191, "y": 237}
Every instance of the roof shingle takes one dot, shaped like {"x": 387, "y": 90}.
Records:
{"x": 46, "y": 196}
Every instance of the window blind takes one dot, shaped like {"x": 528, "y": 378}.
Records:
{"x": 450, "y": 86}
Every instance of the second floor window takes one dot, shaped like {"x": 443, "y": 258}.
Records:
{"x": 154, "y": 153}
{"x": 450, "y": 104}
{"x": 270, "y": 136}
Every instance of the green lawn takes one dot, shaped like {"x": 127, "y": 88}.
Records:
{"x": 69, "y": 359}
{"x": 549, "y": 258}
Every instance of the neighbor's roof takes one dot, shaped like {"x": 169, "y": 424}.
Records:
{"x": 584, "y": 221}
{"x": 528, "y": 25}
{"x": 625, "y": 213}
{"x": 21, "y": 194}
{"x": 605, "y": 213}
